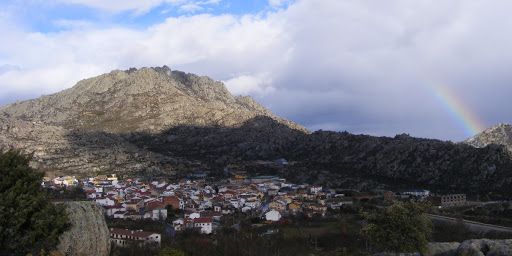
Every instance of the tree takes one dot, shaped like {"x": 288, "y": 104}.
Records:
{"x": 29, "y": 222}
{"x": 171, "y": 213}
{"x": 401, "y": 227}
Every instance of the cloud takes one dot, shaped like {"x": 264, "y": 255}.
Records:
{"x": 361, "y": 66}
{"x": 250, "y": 84}
{"x": 278, "y": 3}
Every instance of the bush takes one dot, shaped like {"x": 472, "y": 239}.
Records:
{"x": 400, "y": 228}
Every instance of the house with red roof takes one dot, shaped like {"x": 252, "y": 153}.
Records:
{"x": 203, "y": 224}
{"x": 124, "y": 237}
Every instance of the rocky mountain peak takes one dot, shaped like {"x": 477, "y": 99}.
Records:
{"x": 500, "y": 134}
{"x": 145, "y": 99}
{"x": 102, "y": 122}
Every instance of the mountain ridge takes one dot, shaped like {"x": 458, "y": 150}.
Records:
{"x": 158, "y": 122}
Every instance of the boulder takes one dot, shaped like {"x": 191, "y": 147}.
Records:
{"x": 442, "y": 249}
{"x": 88, "y": 235}
{"x": 481, "y": 247}
{"x": 476, "y": 247}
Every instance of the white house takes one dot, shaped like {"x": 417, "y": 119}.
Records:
{"x": 204, "y": 224}
{"x": 119, "y": 214}
{"x": 273, "y": 215}
{"x": 159, "y": 214}
{"x": 66, "y": 181}
{"x": 315, "y": 189}
{"x": 253, "y": 204}
{"x": 105, "y": 201}
{"x": 193, "y": 215}
{"x": 178, "y": 224}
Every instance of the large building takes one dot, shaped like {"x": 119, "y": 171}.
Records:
{"x": 124, "y": 237}
{"x": 450, "y": 200}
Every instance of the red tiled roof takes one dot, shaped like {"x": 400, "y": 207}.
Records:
{"x": 202, "y": 220}
{"x": 154, "y": 205}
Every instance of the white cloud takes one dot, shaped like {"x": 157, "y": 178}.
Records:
{"x": 359, "y": 65}
{"x": 278, "y": 3}
{"x": 250, "y": 84}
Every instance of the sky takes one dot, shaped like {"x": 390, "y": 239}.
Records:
{"x": 436, "y": 69}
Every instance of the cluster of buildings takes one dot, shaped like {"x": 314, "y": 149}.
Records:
{"x": 200, "y": 205}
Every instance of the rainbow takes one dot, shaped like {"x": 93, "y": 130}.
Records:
{"x": 460, "y": 111}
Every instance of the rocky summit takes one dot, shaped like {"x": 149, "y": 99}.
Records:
{"x": 90, "y": 127}
{"x": 498, "y": 135}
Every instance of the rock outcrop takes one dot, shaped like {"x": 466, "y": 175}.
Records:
{"x": 89, "y": 234}
{"x": 476, "y": 247}
{"x": 499, "y": 135}
{"x": 442, "y": 249}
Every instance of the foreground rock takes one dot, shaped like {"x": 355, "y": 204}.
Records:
{"x": 89, "y": 234}
{"x": 477, "y": 247}
{"x": 443, "y": 249}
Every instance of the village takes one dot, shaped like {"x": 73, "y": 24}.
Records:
{"x": 196, "y": 203}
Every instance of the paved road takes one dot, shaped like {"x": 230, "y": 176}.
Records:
{"x": 476, "y": 226}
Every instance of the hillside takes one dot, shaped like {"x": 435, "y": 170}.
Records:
{"x": 155, "y": 121}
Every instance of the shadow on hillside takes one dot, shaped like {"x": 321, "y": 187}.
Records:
{"x": 260, "y": 138}
{"x": 402, "y": 160}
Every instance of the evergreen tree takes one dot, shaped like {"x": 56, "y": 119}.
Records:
{"x": 400, "y": 228}
{"x": 29, "y": 222}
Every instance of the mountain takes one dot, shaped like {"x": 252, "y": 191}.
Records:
{"x": 498, "y": 135}
{"x": 158, "y": 122}
{"x": 144, "y": 100}
{"x": 90, "y": 127}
